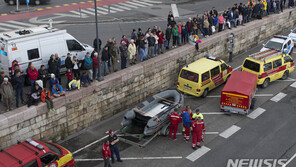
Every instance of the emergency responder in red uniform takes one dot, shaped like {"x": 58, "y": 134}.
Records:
{"x": 175, "y": 119}
{"x": 186, "y": 124}
{"x": 185, "y": 110}
{"x": 198, "y": 128}
{"x": 106, "y": 153}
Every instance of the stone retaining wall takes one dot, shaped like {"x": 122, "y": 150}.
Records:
{"x": 120, "y": 90}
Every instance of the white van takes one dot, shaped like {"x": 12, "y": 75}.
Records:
{"x": 36, "y": 45}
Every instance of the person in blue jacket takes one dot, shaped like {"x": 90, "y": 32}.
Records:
{"x": 186, "y": 125}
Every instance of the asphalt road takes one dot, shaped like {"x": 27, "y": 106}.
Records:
{"x": 270, "y": 135}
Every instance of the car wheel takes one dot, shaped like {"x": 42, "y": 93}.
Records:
{"x": 285, "y": 75}
{"x": 265, "y": 83}
{"x": 11, "y": 2}
{"x": 205, "y": 93}
{"x": 253, "y": 104}
{"x": 37, "y": 2}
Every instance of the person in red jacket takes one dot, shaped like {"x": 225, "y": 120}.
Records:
{"x": 33, "y": 75}
{"x": 161, "y": 39}
{"x": 106, "y": 153}
{"x": 69, "y": 76}
{"x": 95, "y": 64}
{"x": 175, "y": 119}
{"x": 198, "y": 127}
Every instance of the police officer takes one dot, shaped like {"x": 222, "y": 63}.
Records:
{"x": 113, "y": 139}
{"x": 197, "y": 114}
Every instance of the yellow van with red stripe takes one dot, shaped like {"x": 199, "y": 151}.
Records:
{"x": 269, "y": 65}
{"x": 203, "y": 75}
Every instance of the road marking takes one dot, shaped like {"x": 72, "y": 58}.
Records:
{"x": 10, "y": 25}
{"x": 40, "y": 9}
{"x": 116, "y": 9}
{"x": 4, "y": 29}
{"x": 256, "y": 113}
{"x": 207, "y": 133}
{"x": 78, "y": 13}
{"x": 212, "y": 113}
{"x": 131, "y": 158}
{"x": 102, "y": 8}
{"x": 99, "y": 12}
{"x": 122, "y": 7}
{"x": 289, "y": 160}
{"x": 128, "y": 5}
{"x": 286, "y": 80}
{"x": 256, "y": 95}
{"x": 156, "y": 2}
{"x": 134, "y": 3}
{"x": 75, "y": 152}
{"x": 198, "y": 153}
{"x": 278, "y": 97}
{"x": 230, "y": 131}
{"x": 21, "y": 23}
{"x": 87, "y": 12}
{"x": 237, "y": 68}
{"x": 48, "y": 7}
{"x": 144, "y": 3}
{"x": 293, "y": 85}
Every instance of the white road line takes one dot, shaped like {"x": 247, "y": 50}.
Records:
{"x": 75, "y": 152}
{"x": 4, "y": 29}
{"x": 10, "y": 25}
{"x": 21, "y": 23}
{"x": 122, "y": 7}
{"x": 256, "y": 113}
{"x": 104, "y": 9}
{"x": 237, "y": 68}
{"x": 207, "y": 133}
{"x": 293, "y": 85}
{"x": 212, "y": 113}
{"x": 286, "y": 80}
{"x": 230, "y": 131}
{"x": 289, "y": 160}
{"x": 116, "y": 9}
{"x": 134, "y": 3}
{"x": 198, "y": 153}
{"x": 78, "y": 13}
{"x": 131, "y": 158}
{"x": 128, "y": 5}
{"x": 258, "y": 95}
{"x": 155, "y": 2}
{"x": 99, "y": 11}
{"x": 87, "y": 12}
{"x": 278, "y": 97}
{"x": 144, "y": 3}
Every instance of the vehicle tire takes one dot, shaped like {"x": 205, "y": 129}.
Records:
{"x": 37, "y": 2}
{"x": 285, "y": 75}
{"x": 205, "y": 93}
{"x": 165, "y": 130}
{"x": 253, "y": 104}
{"x": 265, "y": 83}
{"x": 11, "y": 2}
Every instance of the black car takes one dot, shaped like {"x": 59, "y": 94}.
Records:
{"x": 32, "y": 2}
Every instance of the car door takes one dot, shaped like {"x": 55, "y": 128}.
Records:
{"x": 224, "y": 68}
{"x": 216, "y": 77}
{"x": 277, "y": 69}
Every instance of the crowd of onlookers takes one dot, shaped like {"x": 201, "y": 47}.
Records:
{"x": 142, "y": 45}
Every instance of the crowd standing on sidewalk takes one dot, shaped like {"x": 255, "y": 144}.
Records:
{"x": 141, "y": 46}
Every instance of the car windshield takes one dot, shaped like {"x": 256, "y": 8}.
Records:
{"x": 273, "y": 45}
{"x": 191, "y": 76}
{"x": 53, "y": 148}
{"x": 294, "y": 31}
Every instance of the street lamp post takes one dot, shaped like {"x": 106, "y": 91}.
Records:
{"x": 100, "y": 78}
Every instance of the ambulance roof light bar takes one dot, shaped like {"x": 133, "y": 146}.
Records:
{"x": 212, "y": 58}
{"x": 35, "y": 144}
{"x": 265, "y": 54}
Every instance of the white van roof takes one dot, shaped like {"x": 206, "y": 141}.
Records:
{"x": 22, "y": 33}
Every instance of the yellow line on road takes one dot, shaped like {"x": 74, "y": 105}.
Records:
{"x": 48, "y": 7}
{"x": 3, "y": 14}
{"x": 57, "y": 6}
{"x": 66, "y": 4}
{"x": 40, "y": 9}
{"x": 81, "y": 2}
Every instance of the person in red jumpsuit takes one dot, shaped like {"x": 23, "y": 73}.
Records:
{"x": 175, "y": 119}
{"x": 106, "y": 153}
{"x": 185, "y": 110}
{"x": 198, "y": 128}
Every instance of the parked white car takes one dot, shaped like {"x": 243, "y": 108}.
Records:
{"x": 281, "y": 43}
{"x": 293, "y": 34}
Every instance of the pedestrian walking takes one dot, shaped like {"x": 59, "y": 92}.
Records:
{"x": 6, "y": 91}
{"x": 132, "y": 50}
{"x": 123, "y": 54}
{"x": 175, "y": 119}
{"x": 113, "y": 139}
{"x": 106, "y": 153}
{"x": 198, "y": 128}
{"x": 186, "y": 124}
{"x": 88, "y": 65}
{"x": 19, "y": 87}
